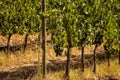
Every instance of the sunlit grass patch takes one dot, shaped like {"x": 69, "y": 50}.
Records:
{"x": 6, "y": 60}
{"x": 17, "y": 58}
{"x": 55, "y": 75}
{"x": 3, "y": 59}
{"x": 103, "y": 68}
{"x": 76, "y": 74}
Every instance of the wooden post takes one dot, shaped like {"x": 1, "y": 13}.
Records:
{"x": 44, "y": 38}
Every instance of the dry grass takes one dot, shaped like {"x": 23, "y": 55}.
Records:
{"x": 102, "y": 71}
{"x": 31, "y": 56}
{"x": 19, "y": 58}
